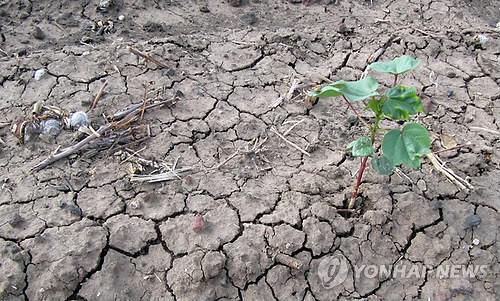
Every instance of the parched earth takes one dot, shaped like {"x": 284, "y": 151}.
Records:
{"x": 81, "y": 230}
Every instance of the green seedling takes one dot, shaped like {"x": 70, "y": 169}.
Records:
{"x": 399, "y": 146}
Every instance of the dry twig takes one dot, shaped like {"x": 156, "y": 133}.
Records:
{"x": 402, "y": 175}
{"x": 147, "y": 57}
{"x": 468, "y": 144}
{"x": 256, "y": 148}
{"x": 288, "y": 260}
{"x": 477, "y": 128}
{"x": 99, "y": 95}
{"x": 3, "y": 52}
{"x": 119, "y": 120}
{"x": 292, "y": 127}
{"x": 161, "y": 177}
{"x": 450, "y": 174}
{"x": 481, "y": 30}
{"x": 274, "y": 130}
{"x": 71, "y": 150}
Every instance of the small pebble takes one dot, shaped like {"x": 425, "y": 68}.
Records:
{"x": 104, "y": 5}
{"x": 198, "y": 223}
{"x": 39, "y": 74}
{"x": 204, "y": 9}
{"x": 475, "y": 241}
{"x": 50, "y": 128}
{"x": 422, "y": 185}
{"x": 249, "y": 18}
{"x": 121, "y": 17}
{"x": 352, "y": 120}
{"x": 78, "y": 119}
{"x": 483, "y": 39}
{"x": 38, "y": 33}
{"x": 472, "y": 221}
{"x": 451, "y": 74}
{"x": 72, "y": 208}
{"x": 450, "y": 93}
{"x": 15, "y": 220}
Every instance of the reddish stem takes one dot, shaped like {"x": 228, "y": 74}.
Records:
{"x": 356, "y": 112}
{"x": 359, "y": 179}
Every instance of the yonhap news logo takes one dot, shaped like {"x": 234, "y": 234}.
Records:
{"x": 333, "y": 271}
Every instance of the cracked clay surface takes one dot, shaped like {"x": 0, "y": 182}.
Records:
{"x": 255, "y": 219}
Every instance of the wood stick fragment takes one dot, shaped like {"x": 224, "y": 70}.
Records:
{"x": 288, "y": 260}
{"x": 432, "y": 35}
{"x": 226, "y": 160}
{"x": 345, "y": 210}
{"x": 292, "y": 127}
{"x": 70, "y": 150}
{"x": 172, "y": 170}
{"x": 147, "y": 57}
{"x": 3, "y": 52}
{"x": 132, "y": 108}
{"x": 482, "y": 30}
{"x": 144, "y": 102}
{"x": 99, "y": 95}
{"x": 160, "y": 177}
{"x": 468, "y": 144}
{"x": 121, "y": 120}
{"x": 290, "y": 142}
{"x": 401, "y": 174}
{"x": 382, "y": 21}
{"x": 134, "y": 154}
{"x": 93, "y": 131}
{"x": 477, "y": 128}
{"x": 450, "y": 174}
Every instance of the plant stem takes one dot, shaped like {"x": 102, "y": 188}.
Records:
{"x": 362, "y": 166}
{"x": 395, "y": 79}
{"x": 359, "y": 179}
{"x": 356, "y": 112}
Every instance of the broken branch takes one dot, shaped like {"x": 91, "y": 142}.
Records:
{"x": 290, "y": 142}
{"x": 288, "y": 260}
{"x": 72, "y": 149}
{"x": 99, "y": 95}
{"x": 450, "y": 174}
{"x": 119, "y": 120}
{"x": 161, "y": 177}
{"x": 147, "y": 57}
{"x": 477, "y": 128}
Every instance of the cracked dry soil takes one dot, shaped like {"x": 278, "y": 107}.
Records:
{"x": 80, "y": 230}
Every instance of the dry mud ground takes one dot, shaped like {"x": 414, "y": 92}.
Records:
{"x": 80, "y": 230}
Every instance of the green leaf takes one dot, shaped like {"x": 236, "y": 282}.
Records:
{"x": 375, "y": 105}
{"x": 407, "y": 146}
{"x": 331, "y": 90}
{"x": 353, "y": 91}
{"x": 383, "y": 166}
{"x": 401, "y": 103}
{"x": 360, "y": 89}
{"x": 398, "y": 65}
{"x": 361, "y": 147}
